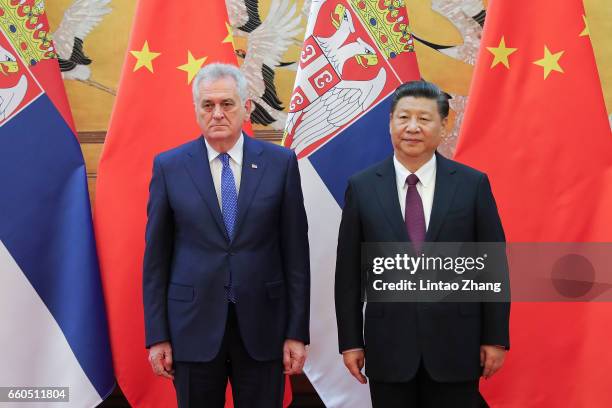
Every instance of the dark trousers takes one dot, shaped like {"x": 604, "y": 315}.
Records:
{"x": 255, "y": 384}
{"x": 424, "y": 392}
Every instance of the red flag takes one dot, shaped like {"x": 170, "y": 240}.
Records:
{"x": 170, "y": 42}
{"x": 536, "y": 123}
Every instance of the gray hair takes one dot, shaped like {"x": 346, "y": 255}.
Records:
{"x": 216, "y": 71}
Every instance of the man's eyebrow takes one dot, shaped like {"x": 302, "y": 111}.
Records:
{"x": 224, "y": 100}
{"x": 419, "y": 111}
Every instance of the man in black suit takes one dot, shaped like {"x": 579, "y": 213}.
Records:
{"x": 226, "y": 279}
{"x": 418, "y": 354}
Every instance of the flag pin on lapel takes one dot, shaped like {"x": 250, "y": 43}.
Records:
{"x": 253, "y": 166}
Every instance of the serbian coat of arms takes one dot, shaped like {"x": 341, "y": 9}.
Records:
{"x": 352, "y": 58}
{"x": 24, "y": 42}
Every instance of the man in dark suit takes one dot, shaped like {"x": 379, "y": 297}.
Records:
{"x": 226, "y": 277}
{"x": 418, "y": 354}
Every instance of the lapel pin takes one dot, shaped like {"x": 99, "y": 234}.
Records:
{"x": 253, "y": 166}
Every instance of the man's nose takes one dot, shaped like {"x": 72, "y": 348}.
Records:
{"x": 217, "y": 112}
{"x": 413, "y": 125}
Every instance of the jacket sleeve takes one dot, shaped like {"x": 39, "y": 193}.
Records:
{"x": 295, "y": 255}
{"x": 159, "y": 238}
{"x": 496, "y": 315}
{"x": 347, "y": 288}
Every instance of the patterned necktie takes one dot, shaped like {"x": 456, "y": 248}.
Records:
{"x": 415, "y": 216}
{"x": 229, "y": 196}
{"x": 229, "y": 208}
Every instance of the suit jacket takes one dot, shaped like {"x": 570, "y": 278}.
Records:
{"x": 188, "y": 255}
{"x": 398, "y": 336}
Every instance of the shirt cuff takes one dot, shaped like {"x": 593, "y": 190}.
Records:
{"x": 353, "y": 349}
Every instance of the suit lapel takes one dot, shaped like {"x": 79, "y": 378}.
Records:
{"x": 199, "y": 170}
{"x": 443, "y": 196}
{"x": 252, "y": 171}
{"x": 386, "y": 190}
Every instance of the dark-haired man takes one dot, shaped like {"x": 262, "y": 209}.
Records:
{"x": 418, "y": 355}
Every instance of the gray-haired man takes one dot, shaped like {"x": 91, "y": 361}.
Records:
{"x": 226, "y": 275}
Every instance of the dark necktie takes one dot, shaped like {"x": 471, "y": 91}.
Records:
{"x": 415, "y": 216}
{"x": 229, "y": 208}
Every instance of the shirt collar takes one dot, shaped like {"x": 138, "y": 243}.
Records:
{"x": 235, "y": 153}
{"x": 425, "y": 173}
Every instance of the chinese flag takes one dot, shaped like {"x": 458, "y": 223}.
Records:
{"x": 169, "y": 43}
{"x": 536, "y": 123}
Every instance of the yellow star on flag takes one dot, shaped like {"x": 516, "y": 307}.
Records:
{"x": 192, "y": 66}
{"x": 501, "y": 53}
{"x": 550, "y": 62}
{"x": 230, "y": 35}
{"x": 585, "y": 31}
{"x": 144, "y": 57}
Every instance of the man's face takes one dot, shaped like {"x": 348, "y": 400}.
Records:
{"x": 219, "y": 112}
{"x": 416, "y": 128}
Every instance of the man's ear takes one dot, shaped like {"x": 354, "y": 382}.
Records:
{"x": 248, "y": 105}
{"x": 444, "y": 126}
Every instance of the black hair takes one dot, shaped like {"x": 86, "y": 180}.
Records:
{"x": 422, "y": 89}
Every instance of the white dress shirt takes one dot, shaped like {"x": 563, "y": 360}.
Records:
{"x": 216, "y": 165}
{"x": 425, "y": 187}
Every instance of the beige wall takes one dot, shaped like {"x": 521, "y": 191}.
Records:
{"x": 105, "y": 45}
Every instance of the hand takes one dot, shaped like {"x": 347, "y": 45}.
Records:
{"x": 354, "y": 362}
{"x": 160, "y": 357}
{"x": 491, "y": 359}
{"x": 294, "y": 356}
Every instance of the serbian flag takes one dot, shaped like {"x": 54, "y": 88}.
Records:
{"x": 355, "y": 54}
{"x": 54, "y": 329}
{"x": 154, "y": 112}
{"x": 536, "y": 123}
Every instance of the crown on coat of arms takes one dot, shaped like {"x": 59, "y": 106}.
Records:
{"x": 387, "y": 22}
{"x": 27, "y": 29}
